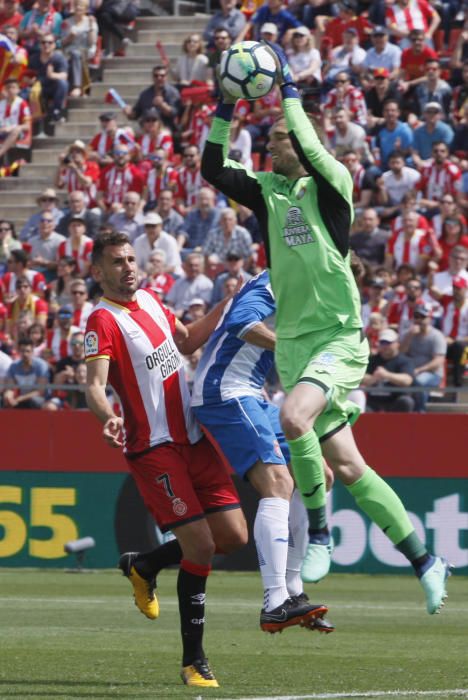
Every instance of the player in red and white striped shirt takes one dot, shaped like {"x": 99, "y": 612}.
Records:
{"x": 412, "y": 245}
{"x": 438, "y": 177}
{"x": 133, "y": 342}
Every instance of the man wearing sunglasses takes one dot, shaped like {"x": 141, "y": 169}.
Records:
{"x": 44, "y": 247}
{"x": 47, "y": 202}
{"x": 51, "y": 68}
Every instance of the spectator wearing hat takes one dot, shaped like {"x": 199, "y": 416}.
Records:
{"x": 75, "y": 172}
{"x": 433, "y": 89}
{"x": 379, "y": 89}
{"x": 344, "y": 94}
{"x": 59, "y": 337}
{"x": 77, "y": 207}
{"x": 194, "y": 284}
{"x": 197, "y": 308}
{"x": 394, "y": 184}
{"x": 117, "y": 180}
{"x": 392, "y": 135}
{"x": 439, "y": 175}
{"x": 130, "y": 219}
{"x": 369, "y": 241}
{"x": 234, "y": 267}
{"x": 455, "y": 327}
{"x": 25, "y": 379}
{"x": 44, "y": 247}
{"x": 18, "y": 263}
{"x": 228, "y": 18}
{"x": 274, "y": 12}
{"x": 47, "y": 202}
{"x": 161, "y": 95}
{"x": 303, "y": 58}
{"x": 154, "y": 238}
{"x": 15, "y": 119}
{"x": 441, "y": 282}
{"x": 389, "y": 368}
{"x": 110, "y": 137}
{"x": 173, "y": 222}
{"x": 201, "y": 219}
{"x": 77, "y": 246}
{"x": 426, "y": 347}
{"x": 383, "y": 54}
{"x": 153, "y": 137}
{"x": 347, "y": 57}
{"x": 269, "y": 32}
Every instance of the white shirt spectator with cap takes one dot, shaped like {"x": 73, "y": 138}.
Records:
{"x": 155, "y": 238}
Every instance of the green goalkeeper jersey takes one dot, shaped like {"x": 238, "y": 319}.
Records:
{"x": 305, "y": 226}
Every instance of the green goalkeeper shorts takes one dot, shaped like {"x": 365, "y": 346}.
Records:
{"x": 335, "y": 362}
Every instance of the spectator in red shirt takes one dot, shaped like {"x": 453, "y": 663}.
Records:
{"x": 453, "y": 234}
{"x": 10, "y": 17}
{"x": 412, "y": 245}
{"x": 75, "y": 172}
{"x": 413, "y": 60}
{"x": 439, "y": 176}
{"x": 347, "y": 17}
{"x": 118, "y": 179}
{"x": 110, "y": 137}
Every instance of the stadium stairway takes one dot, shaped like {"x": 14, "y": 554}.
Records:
{"x": 128, "y": 75}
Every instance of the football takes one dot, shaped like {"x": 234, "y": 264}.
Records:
{"x": 247, "y": 70}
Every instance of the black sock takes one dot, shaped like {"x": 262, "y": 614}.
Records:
{"x": 149, "y": 564}
{"x": 191, "y": 585}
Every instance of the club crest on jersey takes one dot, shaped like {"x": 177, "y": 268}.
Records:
{"x": 179, "y": 506}
{"x": 296, "y": 231}
{"x": 91, "y": 344}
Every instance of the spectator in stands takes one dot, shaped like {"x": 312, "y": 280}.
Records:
{"x": 393, "y": 135}
{"x": 39, "y": 23}
{"x": 26, "y": 379}
{"x": 304, "y": 59}
{"x": 222, "y": 42}
{"x": 453, "y": 234}
{"x": 383, "y": 55}
{"x": 401, "y": 310}
{"x": 441, "y": 283}
{"x": 459, "y": 146}
{"x": 9, "y": 15}
{"x": 347, "y": 136}
{"x": 130, "y": 219}
{"x": 413, "y": 64}
{"x": 15, "y": 118}
{"x": 265, "y": 111}
{"x": 77, "y": 245}
{"x": 272, "y": 11}
{"x": 389, "y": 368}
{"x": 460, "y": 95}
{"x": 394, "y": 184}
{"x": 18, "y": 267}
{"x": 240, "y": 143}
{"x": 161, "y": 95}
{"x": 80, "y": 305}
{"x": 194, "y": 284}
{"x": 113, "y": 16}
{"x": 51, "y": 68}
{"x": 234, "y": 269}
{"x": 430, "y": 133}
{"x": 439, "y": 176}
{"x": 163, "y": 175}
{"x": 59, "y": 337}
{"x": 227, "y": 18}
{"x": 379, "y": 90}
{"x": 447, "y": 210}
{"x": 192, "y": 64}
{"x": 347, "y": 57}
{"x": 154, "y": 136}
{"x": 155, "y": 238}
{"x": 369, "y": 241}
{"x": 229, "y": 237}
{"x": 117, "y": 180}
{"x": 25, "y": 303}
{"x": 47, "y": 202}
{"x": 75, "y": 172}
{"x": 79, "y": 42}
{"x": 407, "y": 20}
{"x": 37, "y": 335}
{"x": 157, "y": 277}
{"x": 172, "y": 221}
{"x": 59, "y": 289}
{"x": 190, "y": 179}
{"x": 412, "y": 245}
{"x": 433, "y": 89}
{"x": 455, "y": 327}
{"x": 44, "y": 247}
{"x": 344, "y": 94}
{"x": 65, "y": 367}
{"x": 348, "y": 16}
{"x": 375, "y": 301}
{"x": 110, "y": 137}
{"x": 362, "y": 182}
{"x": 8, "y": 243}
{"x": 77, "y": 207}
{"x": 426, "y": 347}
{"x": 201, "y": 219}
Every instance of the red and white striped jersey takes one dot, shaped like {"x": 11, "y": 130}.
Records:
{"x": 71, "y": 181}
{"x": 158, "y": 181}
{"x": 358, "y": 179}
{"x": 410, "y": 250}
{"x": 455, "y": 321}
{"x": 149, "y": 144}
{"x": 190, "y": 182}
{"x": 401, "y": 313}
{"x": 81, "y": 255}
{"x": 353, "y": 100}
{"x": 80, "y": 316}
{"x": 417, "y": 14}
{"x": 116, "y": 182}
{"x": 8, "y": 283}
{"x": 14, "y": 113}
{"x": 104, "y": 142}
{"x": 397, "y": 224}
{"x": 60, "y": 347}
{"x": 437, "y": 181}
{"x": 145, "y": 370}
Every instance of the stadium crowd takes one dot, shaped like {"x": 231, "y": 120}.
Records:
{"x": 387, "y": 83}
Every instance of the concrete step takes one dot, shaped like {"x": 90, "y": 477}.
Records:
{"x": 149, "y": 50}
{"x": 127, "y": 76}
{"x": 45, "y": 157}
{"x": 78, "y": 130}
{"x": 151, "y": 36}
{"x": 139, "y": 51}
{"x": 18, "y": 185}
{"x": 89, "y": 114}
{"x": 51, "y": 142}
{"x": 129, "y": 91}
{"x": 195, "y": 23}
{"x": 34, "y": 172}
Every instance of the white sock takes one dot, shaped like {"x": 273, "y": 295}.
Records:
{"x": 271, "y": 540}
{"x": 298, "y": 539}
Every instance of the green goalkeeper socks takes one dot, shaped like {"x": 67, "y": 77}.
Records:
{"x": 307, "y": 466}
{"x": 380, "y": 502}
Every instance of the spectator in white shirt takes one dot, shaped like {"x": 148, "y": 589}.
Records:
{"x": 155, "y": 238}
{"x": 395, "y": 183}
{"x": 195, "y": 284}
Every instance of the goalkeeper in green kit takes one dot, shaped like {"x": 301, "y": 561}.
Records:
{"x": 304, "y": 210}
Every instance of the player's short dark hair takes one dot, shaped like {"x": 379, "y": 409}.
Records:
{"x": 105, "y": 240}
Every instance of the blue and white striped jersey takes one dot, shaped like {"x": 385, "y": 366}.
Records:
{"x": 231, "y": 367}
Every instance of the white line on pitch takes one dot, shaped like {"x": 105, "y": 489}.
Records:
{"x": 453, "y": 692}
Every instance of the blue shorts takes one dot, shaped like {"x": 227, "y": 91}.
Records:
{"x": 247, "y": 430}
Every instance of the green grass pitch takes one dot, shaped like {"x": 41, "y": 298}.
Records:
{"x": 66, "y": 636}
